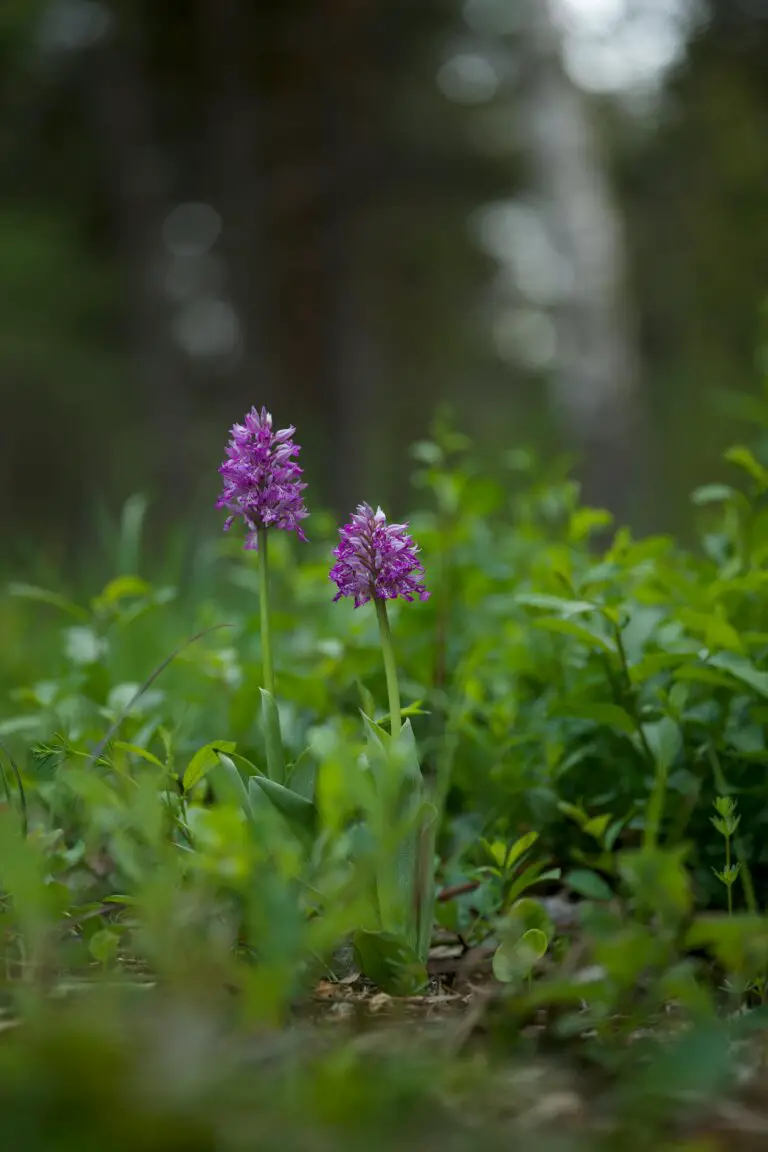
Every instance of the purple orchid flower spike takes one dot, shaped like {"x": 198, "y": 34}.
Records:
{"x": 379, "y": 561}
{"x": 262, "y": 485}
{"x": 262, "y": 482}
{"x": 376, "y": 560}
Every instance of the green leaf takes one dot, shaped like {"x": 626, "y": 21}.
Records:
{"x": 533, "y": 874}
{"x": 526, "y": 914}
{"x": 227, "y": 783}
{"x": 715, "y": 494}
{"x": 610, "y": 715}
{"x": 744, "y": 458}
{"x": 44, "y": 596}
{"x": 142, "y": 753}
{"x": 272, "y": 737}
{"x": 596, "y": 826}
{"x": 565, "y": 608}
{"x": 120, "y": 589}
{"x": 515, "y": 959}
{"x": 520, "y": 847}
{"x": 741, "y": 669}
{"x": 303, "y": 775}
{"x": 103, "y": 945}
{"x": 588, "y": 884}
{"x": 593, "y": 639}
{"x": 203, "y": 760}
{"x": 658, "y": 881}
{"x": 574, "y": 811}
{"x": 738, "y": 942}
{"x": 300, "y": 813}
{"x": 665, "y": 741}
{"x": 698, "y": 674}
{"x": 391, "y": 963}
{"x": 367, "y": 701}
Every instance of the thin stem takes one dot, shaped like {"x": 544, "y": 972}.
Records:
{"x": 266, "y": 638}
{"x": 728, "y": 873}
{"x": 390, "y": 667}
{"x": 744, "y": 872}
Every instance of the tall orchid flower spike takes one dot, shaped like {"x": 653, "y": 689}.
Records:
{"x": 379, "y": 561}
{"x": 262, "y": 486}
{"x": 262, "y": 482}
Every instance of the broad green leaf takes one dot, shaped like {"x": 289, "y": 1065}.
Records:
{"x": 525, "y": 914}
{"x": 515, "y": 959}
{"x": 391, "y": 963}
{"x": 665, "y": 741}
{"x": 300, "y": 813}
{"x": 303, "y": 774}
{"x": 742, "y": 669}
{"x": 588, "y": 884}
{"x": 103, "y": 945}
{"x": 203, "y": 760}
{"x": 716, "y": 630}
{"x": 272, "y": 737}
{"x": 227, "y": 783}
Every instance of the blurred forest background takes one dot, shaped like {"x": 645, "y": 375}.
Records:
{"x": 550, "y": 215}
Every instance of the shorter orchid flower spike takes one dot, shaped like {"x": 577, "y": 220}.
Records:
{"x": 376, "y": 560}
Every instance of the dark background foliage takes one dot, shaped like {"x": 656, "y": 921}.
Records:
{"x": 212, "y": 203}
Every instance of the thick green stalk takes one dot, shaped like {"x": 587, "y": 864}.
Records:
{"x": 390, "y": 667}
{"x": 266, "y": 637}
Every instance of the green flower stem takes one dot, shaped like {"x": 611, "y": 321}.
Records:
{"x": 390, "y": 667}
{"x": 266, "y": 638}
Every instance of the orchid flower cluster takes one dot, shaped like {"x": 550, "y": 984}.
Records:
{"x": 374, "y": 560}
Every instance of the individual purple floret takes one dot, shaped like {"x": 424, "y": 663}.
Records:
{"x": 376, "y": 560}
{"x": 261, "y": 479}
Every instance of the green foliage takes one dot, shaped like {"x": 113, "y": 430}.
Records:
{"x": 574, "y": 719}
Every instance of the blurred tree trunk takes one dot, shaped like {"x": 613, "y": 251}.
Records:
{"x": 595, "y": 385}
{"x": 137, "y": 183}
{"x": 236, "y": 144}
{"x": 351, "y": 135}
{"x": 328, "y": 347}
